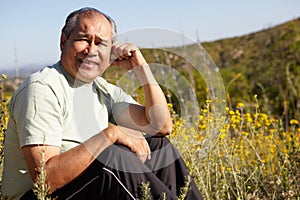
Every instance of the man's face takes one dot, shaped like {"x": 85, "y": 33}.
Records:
{"x": 86, "y": 53}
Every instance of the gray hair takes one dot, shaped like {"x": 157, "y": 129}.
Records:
{"x": 73, "y": 17}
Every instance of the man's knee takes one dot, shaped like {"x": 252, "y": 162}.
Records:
{"x": 156, "y": 143}
{"x": 120, "y": 158}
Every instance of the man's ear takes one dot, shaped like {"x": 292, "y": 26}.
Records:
{"x": 63, "y": 40}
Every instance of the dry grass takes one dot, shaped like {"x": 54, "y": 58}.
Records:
{"x": 237, "y": 155}
{"x": 241, "y": 155}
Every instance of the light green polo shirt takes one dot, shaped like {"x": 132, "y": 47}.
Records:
{"x": 51, "y": 108}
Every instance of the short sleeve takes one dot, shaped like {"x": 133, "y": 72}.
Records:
{"x": 115, "y": 98}
{"x": 38, "y": 116}
{"x": 121, "y": 101}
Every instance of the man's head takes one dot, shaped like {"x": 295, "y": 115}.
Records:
{"x": 86, "y": 42}
{"x": 72, "y": 19}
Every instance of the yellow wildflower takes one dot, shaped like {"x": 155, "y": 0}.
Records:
{"x": 240, "y": 105}
{"x": 272, "y": 149}
{"x": 170, "y": 106}
{"x": 201, "y": 117}
{"x": 204, "y": 110}
{"x": 294, "y": 121}
{"x": 3, "y": 76}
{"x": 245, "y": 133}
{"x": 187, "y": 163}
{"x": 230, "y": 112}
{"x": 202, "y": 126}
{"x": 222, "y": 136}
{"x": 208, "y": 101}
{"x": 267, "y": 123}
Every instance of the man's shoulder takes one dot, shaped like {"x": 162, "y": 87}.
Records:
{"x": 104, "y": 85}
{"x": 50, "y": 77}
{"x": 47, "y": 75}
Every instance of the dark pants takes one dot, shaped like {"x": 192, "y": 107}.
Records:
{"x": 118, "y": 174}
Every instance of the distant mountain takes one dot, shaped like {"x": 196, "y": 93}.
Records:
{"x": 23, "y": 72}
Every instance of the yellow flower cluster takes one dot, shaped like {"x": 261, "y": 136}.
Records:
{"x": 232, "y": 154}
{"x": 241, "y": 155}
{"x": 3, "y": 114}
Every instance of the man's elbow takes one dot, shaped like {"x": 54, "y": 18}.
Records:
{"x": 167, "y": 128}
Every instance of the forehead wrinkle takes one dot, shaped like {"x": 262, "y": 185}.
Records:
{"x": 91, "y": 26}
{"x": 87, "y": 35}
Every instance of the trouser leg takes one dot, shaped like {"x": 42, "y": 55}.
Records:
{"x": 118, "y": 174}
{"x": 132, "y": 172}
{"x": 94, "y": 183}
{"x": 166, "y": 171}
{"x": 167, "y": 164}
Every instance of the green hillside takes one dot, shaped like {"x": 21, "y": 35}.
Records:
{"x": 269, "y": 64}
{"x": 264, "y": 63}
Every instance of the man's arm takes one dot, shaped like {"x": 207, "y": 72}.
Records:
{"x": 63, "y": 168}
{"x": 153, "y": 118}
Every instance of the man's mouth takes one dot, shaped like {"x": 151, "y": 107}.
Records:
{"x": 88, "y": 62}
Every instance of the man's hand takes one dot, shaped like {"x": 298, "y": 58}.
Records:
{"x": 134, "y": 140}
{"x": 127, "y": 56}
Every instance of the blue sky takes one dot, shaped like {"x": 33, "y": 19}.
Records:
{"x": 32, "y": 27}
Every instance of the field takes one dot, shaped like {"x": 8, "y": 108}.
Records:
{"x": 231, "y": 154}
{"x": 249, "y": 156}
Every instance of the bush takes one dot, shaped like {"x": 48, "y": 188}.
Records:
{"x": 241, "y": 155}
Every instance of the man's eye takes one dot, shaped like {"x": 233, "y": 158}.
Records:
{"x": 101, "y": 44}
{"x": 82, "y": 40}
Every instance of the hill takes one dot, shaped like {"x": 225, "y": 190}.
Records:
{"x": 268, "y": 63}
{"x": 265, "y": 63}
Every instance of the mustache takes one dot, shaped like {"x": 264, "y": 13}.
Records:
{"x": 89, "y": 61}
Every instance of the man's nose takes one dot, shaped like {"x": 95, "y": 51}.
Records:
{"x": 91, "y": 49}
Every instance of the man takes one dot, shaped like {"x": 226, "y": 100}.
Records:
{"x": 115, "y": 159}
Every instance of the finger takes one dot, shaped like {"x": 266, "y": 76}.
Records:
{"x": 124, "y": 51}
{"x": 144, "y": 151}
{"x": 127, "y": 51}
{"x": 115, "y": 51}
{"x": 148, "y": 151}
{"x": 142, "y": 157}
{"x": 124, "y": 54}
{"x": 149, "y": 155}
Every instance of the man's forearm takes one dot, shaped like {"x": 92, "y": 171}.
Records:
{"x": 156, "y": 111}
{"x": 65, "y": 167}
